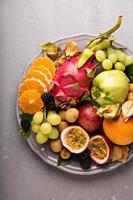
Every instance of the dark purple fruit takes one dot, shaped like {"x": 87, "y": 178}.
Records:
{"x": 25, "y": 124}
{"x": 84, "y": 159}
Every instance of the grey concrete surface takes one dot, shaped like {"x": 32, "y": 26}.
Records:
{"x": 24, "y": 24}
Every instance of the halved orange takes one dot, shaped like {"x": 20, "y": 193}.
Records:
{"x": 32, "y": 83}
{"x": 42, "y": 69}
{"x": 45, "y": 61}
{"x": 30, "y": 101}
{"x": 39, "y": 75}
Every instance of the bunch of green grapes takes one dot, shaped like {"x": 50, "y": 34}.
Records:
{"x": 45, "y": 128}
{"x": 113, "y": 57}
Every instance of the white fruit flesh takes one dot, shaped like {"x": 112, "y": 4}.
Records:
{"x": 67, "y": 141}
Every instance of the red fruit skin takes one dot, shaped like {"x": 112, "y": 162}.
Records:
{"x": 71, "y": 82}
{"x": 109, "y": 146}
{"x": 88, "y": 118}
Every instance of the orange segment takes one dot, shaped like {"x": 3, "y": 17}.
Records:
{"x": 32, "y": 83}
{"x": 39, "y": 75}
{"x": 30, "y": 101}
{"x": 42, "y": 69}
{"x": 45, "y": 61}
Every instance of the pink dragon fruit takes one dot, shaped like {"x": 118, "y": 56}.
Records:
{"x": 71, "y": 82}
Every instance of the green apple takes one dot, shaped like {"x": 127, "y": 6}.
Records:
{"x": 110, "y": 87}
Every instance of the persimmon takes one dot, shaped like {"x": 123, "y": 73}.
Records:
{"x": 118, "y": 131}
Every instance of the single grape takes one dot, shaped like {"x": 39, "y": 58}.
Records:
{"x": 113, "y": 57}
{"x": 54, "y": 134}
{"x": 107, "y": 64}
{"x": 128, "y": 60}
{"x": 35, "y": 127}
{"x": 54, "y": 119}
{"x": 38, "y": 117}
{"x": 41, "y": 138}
{"x": 110, "y": 50}
{"x": 51, "y": 112}
{"x": 120, "y": 55}
{"x": 100, "y": 55}
{"x": 45, "y": 128}
{"x": 119, "y": 66}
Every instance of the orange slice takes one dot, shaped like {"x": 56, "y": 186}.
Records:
{"x": 39, "y": 75}
{"x": 30, "y": 101}
{"x": 32, "y": 83}
{"x": 42, "y": 69}
{"x": 45, "y": 61}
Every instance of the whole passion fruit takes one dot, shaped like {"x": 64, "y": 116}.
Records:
{"x": 75, "y": 139}
{"x": 100, "y": 149}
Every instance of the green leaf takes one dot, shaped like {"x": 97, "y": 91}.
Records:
{"x": 90, "y": 100}
{"x": 96, "y": 93}
{"x": 107, "y": 100}
{"x": 94, "y": 103}
{"x": 25, "y": 135}
{"x": 62, "y": 162}
{"x": 76, "y": 86}
{"x": 90, "y": 73}
{"x": 26, "y": 116}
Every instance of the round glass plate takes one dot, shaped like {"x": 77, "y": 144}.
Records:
{"x": 44, "y": 152}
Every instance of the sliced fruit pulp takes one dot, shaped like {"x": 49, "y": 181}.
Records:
{"x": 39, "y": 75}
{"x": 45, "y": 61}
{"x": 30, "y": 101}
{"x": 98, "y": 148}
{"x": 32, "y": 83}
{"x": 42, "y": 69}
{"x": 76, "y": 139}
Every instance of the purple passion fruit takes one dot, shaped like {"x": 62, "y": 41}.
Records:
{"x": 75, "y": 139}
{"x": 100, "y": 149}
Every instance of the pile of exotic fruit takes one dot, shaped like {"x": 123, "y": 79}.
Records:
{"x": 80, "y": 102}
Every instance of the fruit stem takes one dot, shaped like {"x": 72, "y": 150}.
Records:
{"x": 100, "y": 42}
{"x": 112, "y": 30}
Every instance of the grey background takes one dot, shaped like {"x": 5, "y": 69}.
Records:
{"x": 24, "y": 24}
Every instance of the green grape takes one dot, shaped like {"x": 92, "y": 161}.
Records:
{"x": 107, "y": 64}
{"x": 45, "y": 128}
{"x": 51, "y": 112}
{"x": 120, "y": 55}
{"x": 54, "y": 119}
{"x": 100, "y": 55}
{"x": 41, "y": 138}
{"x": 110, "y": 50}
{"x": 38, "y": 117}
{"x": 128, "y": 60}
{"x": 54, "y": 134}
{"x": 119, "y": 66}
{"x": 35, "y": 127}
{"x": 113, "y": 57}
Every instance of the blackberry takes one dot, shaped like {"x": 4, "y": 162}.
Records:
{"x": 25, "y": 124}
{"x": 48, "y": 99}
{"x": 84, "y": 159}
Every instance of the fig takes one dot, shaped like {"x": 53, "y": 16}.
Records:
{"x": 75, "y": 139}
{"x": 100, "y": 149}
{"x": 88, "y": 118}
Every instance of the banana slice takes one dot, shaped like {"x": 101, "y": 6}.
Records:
{"x": 127, "y": 109}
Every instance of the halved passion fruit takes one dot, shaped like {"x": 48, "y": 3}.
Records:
{"x": 100, "y": 149}
{"x": 75, "y": 139}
